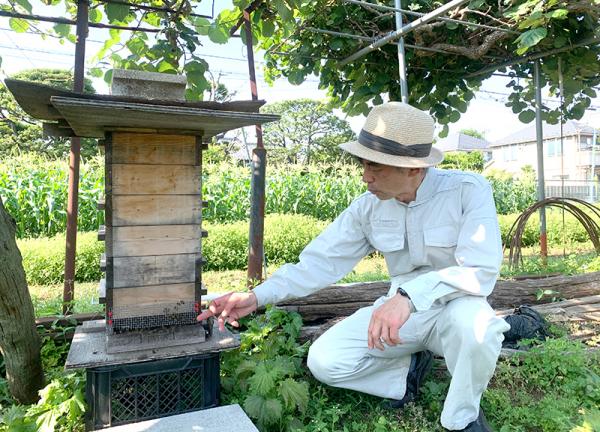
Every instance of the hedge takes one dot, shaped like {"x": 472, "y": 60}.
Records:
{"x": 226, "y": 247}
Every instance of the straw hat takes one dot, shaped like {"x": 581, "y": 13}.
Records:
{"x": 396, "y": 134}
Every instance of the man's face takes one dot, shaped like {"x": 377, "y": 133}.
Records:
{"x": 387, "y": 182}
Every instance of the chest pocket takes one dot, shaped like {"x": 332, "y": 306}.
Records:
{"x": 441, "y": 236}
{"x": 387, "y": 239}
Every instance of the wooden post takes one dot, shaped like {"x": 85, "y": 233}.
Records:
{"x": 73, "y": 194}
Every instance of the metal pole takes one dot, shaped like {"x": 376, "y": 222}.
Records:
{"x": 403, "y": 31}
{"x": 401, "y": 58}
{"x": 259, "y": 160}
{"x": 73, "y": 191}
{"x": 540, "y": 160}
{"x": 593, "y": 170}
{"x": 562, "y": 153}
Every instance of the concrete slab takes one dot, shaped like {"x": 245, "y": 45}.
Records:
{"x": 149, "y": 85}
{"x": 229, "y": 418}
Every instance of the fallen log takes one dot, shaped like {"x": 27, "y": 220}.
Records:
{"x": 343, "y": 300}
{"x": 585, "y": 308}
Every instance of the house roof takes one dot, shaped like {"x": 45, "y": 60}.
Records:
{"x": 549, "y": 131}
{"x": 462, "y": 142}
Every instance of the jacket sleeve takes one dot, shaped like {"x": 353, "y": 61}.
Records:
{"x": 325, "y": 260}
{"x": 478, "y": 254}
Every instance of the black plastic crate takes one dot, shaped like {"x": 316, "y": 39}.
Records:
{"x": 140, "y": 391}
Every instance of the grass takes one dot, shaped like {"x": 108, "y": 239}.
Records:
{"x": 47, "y": 299}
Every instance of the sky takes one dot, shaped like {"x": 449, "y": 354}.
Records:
{"x": 21, "y": 51}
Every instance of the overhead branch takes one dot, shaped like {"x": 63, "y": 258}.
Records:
{"x": 476, "y": 51}
{"x": 73, "y": 22}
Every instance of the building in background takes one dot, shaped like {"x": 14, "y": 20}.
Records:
{"x": 571, "y": 169}
{"x": 466, "y": 143}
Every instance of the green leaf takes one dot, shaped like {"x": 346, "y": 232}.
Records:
{"x": 263, "y": 380}
{"x": 202, "y": 26}
{"x": 267, "y": 28}
{"x": 454, "y": 116}
{"x": 532, "y": 37}
{"x": 62, "y": 29}
{"x": 108, "y": 76}
{"x": 444, "y": 132}
{"x": 451, "y": 25}
{"x": 589, "y": 92}
{"x": 25, "y": 5}
{"x": 272, "y": 411}
{"x": 294, "y": 393}
{"x": 476, "y": 4}
{"x": 164, "y": 66}
{"x": 19, "y": 25}
{"x": 253, "y": 405}
{"x": 337, "y": 44}
{"x": 136, "y": 46}
{"x": 218, "y": 34}
{"x": 95, "y": 72}
{"x": 116, "y": 12}
{"x": 558, "y": 14}
{"x": 283, "y": 10}
{"x": 527, "y": 116}
{"x": 95, "y": 15}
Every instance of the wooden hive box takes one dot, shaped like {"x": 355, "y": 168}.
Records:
{"x": 153, "y": 234}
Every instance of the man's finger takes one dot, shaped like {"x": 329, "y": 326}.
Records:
{"x": 204, "y": 315}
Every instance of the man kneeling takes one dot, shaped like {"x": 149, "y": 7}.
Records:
{"x": 439, "y": 234}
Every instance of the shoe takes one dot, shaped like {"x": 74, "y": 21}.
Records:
{"x": 420, "y": 365}
{"x": 479, "y": 425}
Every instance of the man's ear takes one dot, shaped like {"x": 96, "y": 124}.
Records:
{"x": 412, "y": 172}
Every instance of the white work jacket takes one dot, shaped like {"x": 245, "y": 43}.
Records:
{"x": 443, "y": 245}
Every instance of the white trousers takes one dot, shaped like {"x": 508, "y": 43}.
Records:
{"x": 465, "y": 331}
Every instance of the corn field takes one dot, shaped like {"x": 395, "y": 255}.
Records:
{"x": 34, "y": 192}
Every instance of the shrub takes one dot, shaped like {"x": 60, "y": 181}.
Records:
{"x": 44, "y": 258}
{"x": 572, "y": 231}
{"x": 512, "y": 195}
{"x": 226, "y": 247}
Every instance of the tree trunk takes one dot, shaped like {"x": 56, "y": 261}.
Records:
{"x": 19, "y": 340}
{"x": 342, "y": 300}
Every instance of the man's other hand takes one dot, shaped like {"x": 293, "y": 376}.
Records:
{"x": 230, "y": 308}
{"x": 386, "y": 322}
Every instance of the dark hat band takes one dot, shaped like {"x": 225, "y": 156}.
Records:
{"x": 391, "y": 147}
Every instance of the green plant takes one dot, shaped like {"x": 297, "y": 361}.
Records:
{"x": 34, "y": 192}
{"x": 545, "y": 388}
{"x": 44, "y": 258}
{"x": 226, "y": 247}
{"x": 266, "y": 374}
{"x": 60, "y": 408}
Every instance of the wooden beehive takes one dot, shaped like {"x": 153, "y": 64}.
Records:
{"x": 153, "y": 234}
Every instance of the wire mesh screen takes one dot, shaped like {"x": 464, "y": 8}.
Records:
{"x": 136, "y": 317}
{"x": 150, "y": 396}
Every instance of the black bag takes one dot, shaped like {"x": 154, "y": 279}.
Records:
{"x": 525, "y": 323}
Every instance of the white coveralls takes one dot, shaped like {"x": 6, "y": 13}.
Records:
{"x": 444, "y": 250}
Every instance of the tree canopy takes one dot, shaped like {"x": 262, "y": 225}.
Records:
{"x": 308, "y": 131}
{"x": 445, "y": 69}
{"x": 21, "y": 133}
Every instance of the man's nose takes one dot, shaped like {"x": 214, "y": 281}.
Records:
{"x": 366, "y": 177}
